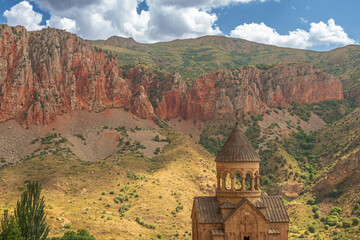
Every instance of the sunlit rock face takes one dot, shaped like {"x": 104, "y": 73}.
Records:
{"x": 46, "y": 73}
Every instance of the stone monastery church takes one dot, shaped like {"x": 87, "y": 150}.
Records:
{"x": 239, "y": 211}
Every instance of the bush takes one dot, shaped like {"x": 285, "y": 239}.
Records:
{"x": 336, "y": 210}
{"x": 81, "y": 234}
{"x": 142, "y": 223}
{"x": 355, "y": 221}
{"x": 332, "y": 220}
{"x": 317, "y": 214}
{"x": 334, "y": 193}
{"x": 311, "y": 201}
{"x": 157, "y": 150}
{"x": 326, "y": 227}
{"x": 315, "y": 209}
{"x": 10, "y": 230}
{"x": 346, "y": 224}
{"x": 312, "y": 228}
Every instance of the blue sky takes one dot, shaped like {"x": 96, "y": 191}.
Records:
{"x": 306, "y": 24}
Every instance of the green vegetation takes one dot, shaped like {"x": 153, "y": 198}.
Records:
{"x": 30, "y": 213}
{"x": 300, "y": 146}
{"x": 213, "y": 140}
{"x": 142, "y": 223}
{"x": 330, "y": 110}
{"x": 81, "y": 234}
{"x": 9, "y": 230}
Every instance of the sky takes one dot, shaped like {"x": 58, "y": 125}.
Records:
{"x": 319, "y": 25}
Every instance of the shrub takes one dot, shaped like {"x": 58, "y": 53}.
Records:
{"x": 336, "y": 210}
{"x": 355, "y": 221}
{"x": 312, "y": 228}
{"x": 334, "y": 193}
{"x": 81, "y": 234}
{"x": 332, "y": 220}
{"x": 356, "y": 206}
{"x": 10, "y": 230}
{"x": 326, "y": 227}
{"x": 142, "y": 223}
{"x": 157, "y": 150}
{"x": 124, "y": 208}
{"x": 311, "y": 201}
{"x": 317, "y": 214}
{"x": 315, "y": 209}
{"x": 346, "y": 224}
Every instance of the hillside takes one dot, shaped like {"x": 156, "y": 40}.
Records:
{"x": 51, "y": 72}
{"x": 123, "y": 120}
{"x": 193, "y": 58}
{"x": 108, "y": 196}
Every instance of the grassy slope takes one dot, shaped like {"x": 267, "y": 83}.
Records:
{"x": 193, "y": 58}
{"x": 337, "y": 149}
{"x": 73, "y": 188}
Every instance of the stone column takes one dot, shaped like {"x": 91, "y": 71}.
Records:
{"x": 223, "y": 187}
{"x": 258, "y": 183}
{"x": 232, "y": 184}
{"x": 252, "y": 183}
{"x": 218, "y": 183}
{"x": 243, "y": 184}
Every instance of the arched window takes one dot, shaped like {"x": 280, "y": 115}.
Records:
{"x": 227, "y": 181}
{"x": 247, "y": 181}
{"x": 237, "y": 182}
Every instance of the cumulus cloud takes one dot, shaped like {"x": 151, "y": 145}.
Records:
{"x": 319, "y": 34}
{"x": 23, "y": 14}
{"x": 62, "y": 23}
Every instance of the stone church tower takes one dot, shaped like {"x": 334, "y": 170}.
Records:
{"x": 239, "y": 211}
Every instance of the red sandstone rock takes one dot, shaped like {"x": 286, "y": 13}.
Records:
{"x": 46, "y": 73}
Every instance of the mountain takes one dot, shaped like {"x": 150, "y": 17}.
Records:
{"x": 193, "y": 58}
{"x": 98, "y": 122}
{"x": 50, "y": 72}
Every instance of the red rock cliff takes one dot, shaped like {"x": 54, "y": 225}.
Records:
{"x": 49, "y": 72}
{"x": 248, "y": 89}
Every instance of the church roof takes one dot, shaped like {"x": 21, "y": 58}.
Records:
{"x": 237, "y": 148}
{"x": 208, "y": 209}
{"x": 275, "y": 209}
{"x": 240, "y": 204}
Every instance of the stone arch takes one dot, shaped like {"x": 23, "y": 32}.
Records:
{"x": 227, "y": 181}
{"x": 238, "y": 181}
{"x": 247, "y": 181}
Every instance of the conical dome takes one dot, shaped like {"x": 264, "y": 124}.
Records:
{"x": 237, "y": 148}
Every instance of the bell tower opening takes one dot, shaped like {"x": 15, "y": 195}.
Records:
{"x": 247, "y": 238}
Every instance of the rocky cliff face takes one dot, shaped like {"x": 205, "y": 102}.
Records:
{"x": 49, "y": 72}
{"x": 248, "y": 89}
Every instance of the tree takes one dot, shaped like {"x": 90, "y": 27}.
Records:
{"x": 81, "y": 234}
{"x": 30, "y": 214}
{"x": 10, "y": 230}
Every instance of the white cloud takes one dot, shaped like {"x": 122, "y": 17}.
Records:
{"x": 303, "y": 20}
{"x": 319, "y": 34}
{"x": 169, "y": 22}
{"x": 23, "y": 14}
{"x": 62, "y": 23}
{"x": 164, "y": 20}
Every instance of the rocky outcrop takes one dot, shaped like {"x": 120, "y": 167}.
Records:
{"x": 46, "y": 73}
{"x": 249, "y": 89}
{"x": 49, "y": 72}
